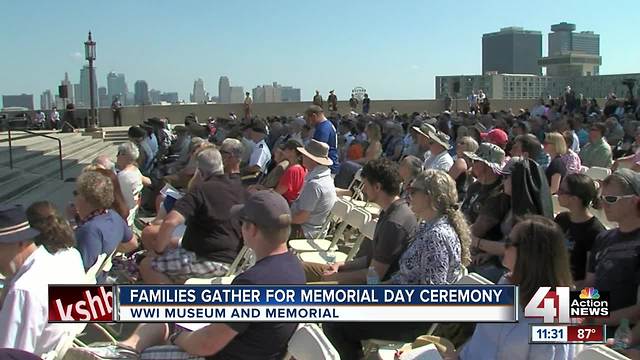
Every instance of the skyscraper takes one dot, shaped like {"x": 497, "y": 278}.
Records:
{"x": 512, "y": 50}
{"x": 154, "y": 96}
{"x": 290, "y": 94}
{"x": 103, "y": 97}
{"x": 70, "y": 89}
{"x": 46, "y": 100}
{"x": 117, "y": 86}
{"x": 141, "y": 96}
{"x": 77, "y": 94}
{"x": 199, "y": 95}
{"x": 572, "y": 54}
{"x": 84, "y": 88}
{"x": 224, "y": 90}
{"x": 236, "y": 95}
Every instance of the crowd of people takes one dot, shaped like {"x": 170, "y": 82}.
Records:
{"x": 457, "y": 192}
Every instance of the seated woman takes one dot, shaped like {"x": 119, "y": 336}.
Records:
{"x": 555, "y": 147}
{"x": 374, "y": 149}
{"x": 536, "y": 256}
{"x": 290, "y": 183}
{"x": 460, "y": 169}
{"x": 56, "y": 235}
{"x": 130, "y": 179}
{"x": 410, "y": 168}
{"x": 436, "y": 256}
{"x": 577, "y": 192}
{"x": 530, "y": 196}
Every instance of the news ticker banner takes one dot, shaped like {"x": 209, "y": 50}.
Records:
{"x": 234, "y": 303}
{"x": 567, "y": 334}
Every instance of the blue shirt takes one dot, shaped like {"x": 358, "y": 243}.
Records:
{"x": 326, "y": 133}
{"x": 102, "y": 234}
{"x": 153, "y": 144}
{"x": 145, "y": 169}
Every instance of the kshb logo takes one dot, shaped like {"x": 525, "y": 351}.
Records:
{"x": 562, "y": 305}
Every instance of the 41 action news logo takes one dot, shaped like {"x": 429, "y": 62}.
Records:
{"x": 562, "y": 305}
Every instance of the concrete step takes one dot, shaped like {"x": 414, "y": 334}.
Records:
{"x": 33, "y": 162}
{"x": 17, "y": 183}
{"x": 24, "y": 152}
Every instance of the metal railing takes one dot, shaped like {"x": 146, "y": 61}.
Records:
{"x": 36, "y": 134}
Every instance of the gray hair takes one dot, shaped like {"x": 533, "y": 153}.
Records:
{"x": 130, "y": 150}
{"x": 195, "y": 142}
{"x": 414, "y": 164}
{"x": 233, "y": 146}
{"x": 210, "y": 162}
{"x": 103, "y": 161}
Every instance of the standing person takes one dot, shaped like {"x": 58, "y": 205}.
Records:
{"x": 332, "y": 100}
{"x": 365, "y": 104}
{"x": 317, "y": 99}
{"x": 555, "y": 147}
{"x": 353, "y": 102}
{"x": 472, "y": 99}
{"x": 54, "y": 118}
{"x": 447, "y": 102}
{"x": 576, "y": 193}
{"x": 68, "y": 119}
{"x": 248, "y": 102}
{"x": 324, "y": 132}
{"x": 116, "y": 107}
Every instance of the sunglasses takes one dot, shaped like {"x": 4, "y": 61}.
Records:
{"x": 612, "y": 199}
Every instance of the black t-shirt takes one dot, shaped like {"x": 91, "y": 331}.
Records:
{"x": 556, "y": 167}
{"x": 580, "y": 238}
{"x": 395, "y": 228}
{"x": 211, "y": 232}
{"x": 487, "y": 200}
{"x": 615, "y": 260}
{"x": 264, "y": 340}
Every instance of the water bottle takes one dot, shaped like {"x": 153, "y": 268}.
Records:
{"x": 331, "y": 255}
{"x": 622, "y": 337}
{"x": 372, "y": 276}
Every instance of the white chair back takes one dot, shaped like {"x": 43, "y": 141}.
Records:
{"x": 234, "y": 265}
{"x": 369, "y": 229}
{"x": 310, "y": 343}
{"x": 96, "y": 268}
{"x": 357, "y": 218}
{"x": 598, "y": 173}
{"x": 599, "y": 352}
{"x": 474, "y": 279}
{"x": 65, "y": 342}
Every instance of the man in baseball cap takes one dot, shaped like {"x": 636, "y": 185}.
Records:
{"x": 497, "y": 137}
{"x": 266, "y": 220}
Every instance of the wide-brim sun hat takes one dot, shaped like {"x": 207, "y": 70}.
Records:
{"x": 317, "y": 151}
{"x": 490, "y": 154}
{"x": 14, "y": 226}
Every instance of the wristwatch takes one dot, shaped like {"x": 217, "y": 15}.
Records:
{"x": 174, "y": 336}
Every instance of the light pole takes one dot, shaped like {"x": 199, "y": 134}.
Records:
{"x": 90, "y": 55}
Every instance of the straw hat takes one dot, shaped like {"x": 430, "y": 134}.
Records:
{"x": 317, "y": 151}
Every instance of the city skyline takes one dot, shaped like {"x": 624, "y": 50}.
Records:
{"x": 397, "y": 57}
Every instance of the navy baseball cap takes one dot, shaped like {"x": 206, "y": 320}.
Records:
{"x": 264, "y": 208}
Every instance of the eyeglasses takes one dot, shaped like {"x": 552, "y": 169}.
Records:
{"x": 612, "y": 199}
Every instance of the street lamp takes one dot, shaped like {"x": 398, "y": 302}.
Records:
{"x": 90, "y": 55}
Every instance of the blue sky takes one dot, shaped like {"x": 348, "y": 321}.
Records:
{"x": 393, "y": 49}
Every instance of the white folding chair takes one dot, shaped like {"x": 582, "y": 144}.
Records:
{"x": 356, "y": 218}
{"x": 66, "y": 341}
{"x": 339, "y": 212}
{"x": 598, "y": 173}
{"x": 310, "y": 343}
{"x": 599, "y": 352}
{"x": 96, "y": 268}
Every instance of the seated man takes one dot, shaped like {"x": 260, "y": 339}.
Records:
{"x": 311, "y": 208}
{"x": 100, "y": 230}
{"x": 396, "y": 226}
{"x": 260, "y": 154}
{"x": 211, "y": 240}
{"x": 614, "y": 262}
{"x": 29, "y": 270}
{"x": 266, "y": 223}
{"x": 597, "y": 152}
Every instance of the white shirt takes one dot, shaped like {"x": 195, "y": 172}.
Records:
{"x": 131, "y": 185}
{"x": 25, "y": 311}
{"x": 261, "y": 155}
{"x": 442, "y": 161}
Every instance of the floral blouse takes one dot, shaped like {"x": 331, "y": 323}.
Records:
{"x": 433, "y": 257}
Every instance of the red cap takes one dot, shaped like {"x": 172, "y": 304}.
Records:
{"x": 496, "y": 136}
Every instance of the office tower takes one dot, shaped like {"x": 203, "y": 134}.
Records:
{"x": 46, "y": 100}
{"x": 199, "y": 94}
{"x": 512, "y": 50}
{"x": 117, "y": 86}
{"x": 103, "y": 97}
{"x": 571, "y": 53}
{"x": 236, "y": 95}
{"x": 141, "y": 96}
{"x": 85, "y": 100}
{"x": 224, "y": 90}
